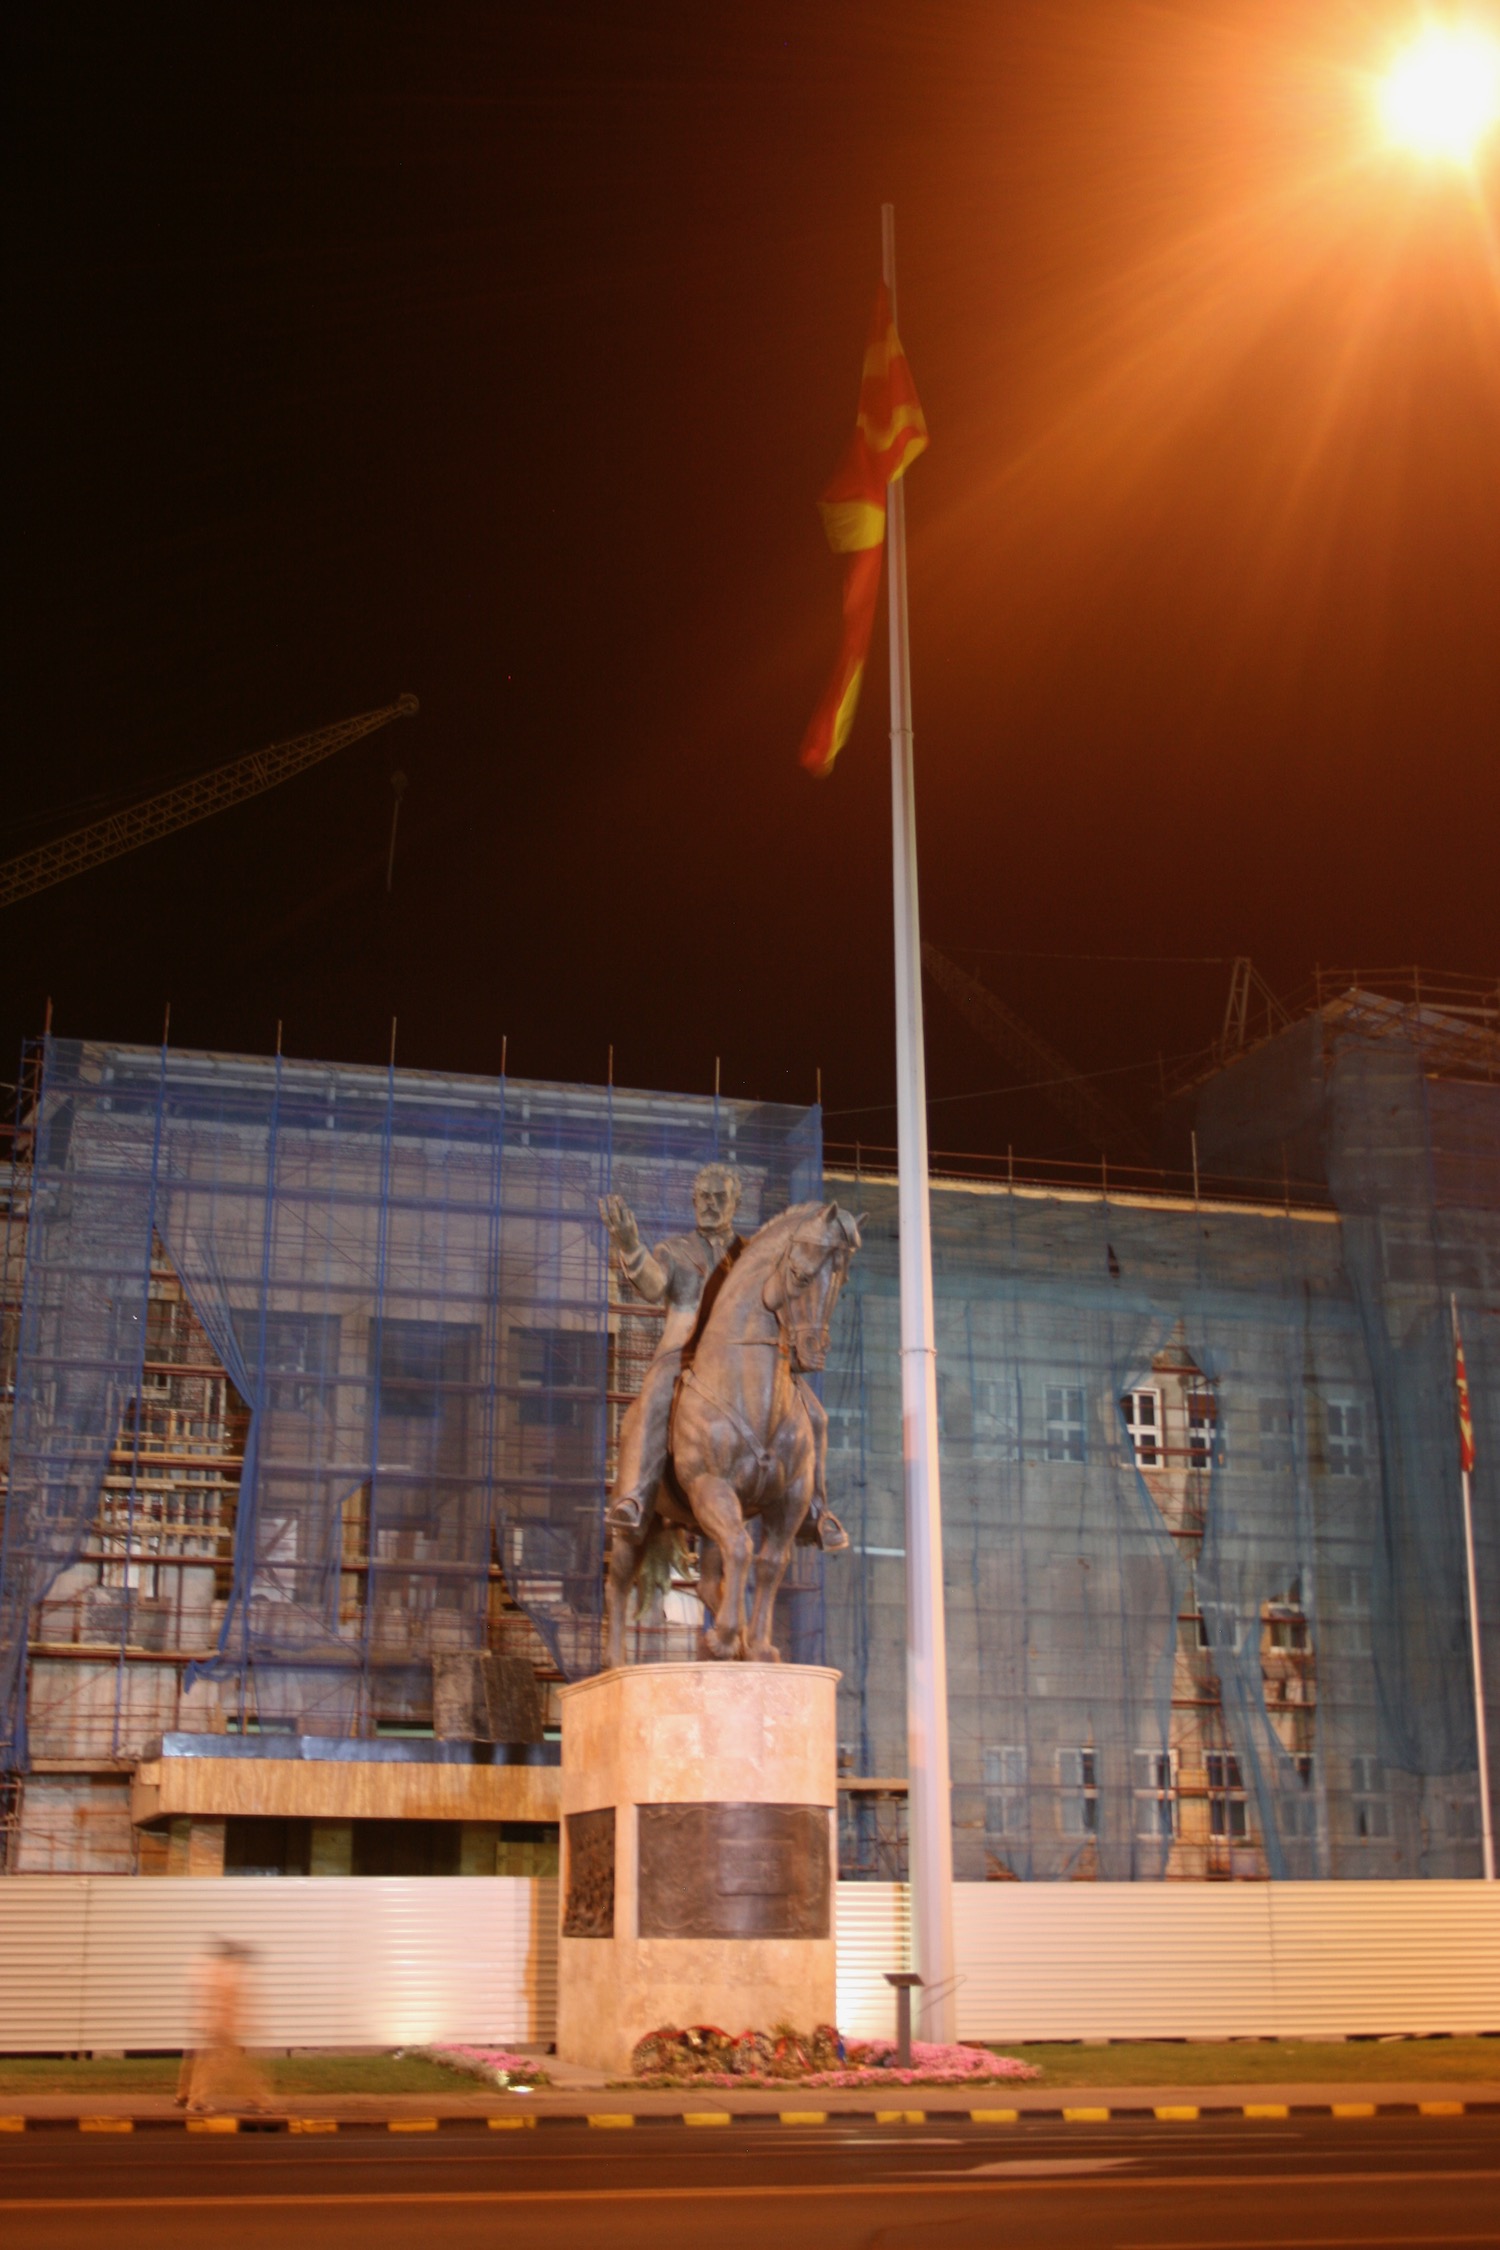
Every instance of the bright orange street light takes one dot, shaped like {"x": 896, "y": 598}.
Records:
{"x": 1441, "y": 95}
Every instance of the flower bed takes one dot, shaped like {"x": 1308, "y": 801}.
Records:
{"x": 702, "y": 2055}
{"x": 497, "y": 2066}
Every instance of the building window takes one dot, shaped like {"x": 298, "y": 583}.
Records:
{"x": 1155, "y": 1795}
{"x": 1064, "y": 1423}
{"x": 1202, "y": 1429}
{"x": 1142, "y": 1412}
{"x": 992, "y": 1400}
{"x": 1297, "y": 1810}
{"x": 1349, "y": 1592}
{"x": 422, "y": 1364}
{"x": 981, "y": 1410}
{"x": 1462, "y": 1819}
{"x": 1275, "y": 1435}
{"x": 136, "y": 1577}
{"x": 407, "y": 1847}
{"x": 1078, "y": 1791}
{"x": 1349, "y": 1587}
{"x": 1005, "y": 1792}
{"x": 1228, "y": 1810}
{"x": 845, "y": 1426}
{"x": 1372, "y": 1813}
{"x": 1288, "y": 1633}
{"x": 559, "y": 1373}
{"x": 301, "y": 1356}
{"x": 258, "y": 1846}
{"x": 1346, "y": 1439}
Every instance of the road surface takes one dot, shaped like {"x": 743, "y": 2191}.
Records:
{"x": 1301, "y": 2184}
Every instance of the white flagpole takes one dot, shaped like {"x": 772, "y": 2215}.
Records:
{"x": 1481, "y": 1740}
{"x": 928, "y": 1813}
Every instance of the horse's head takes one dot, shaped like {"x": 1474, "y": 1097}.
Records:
{"x": 804, "y": 1283}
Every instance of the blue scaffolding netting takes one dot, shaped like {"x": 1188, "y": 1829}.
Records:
{"x": 406, "y": 1280}
{"x": 1205, "y": 1584}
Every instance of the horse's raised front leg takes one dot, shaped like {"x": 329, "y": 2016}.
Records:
{"x": 717, "y": 1509}
{"x": 624, "y": 1562}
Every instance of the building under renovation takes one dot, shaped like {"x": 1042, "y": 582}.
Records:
{"x": 315, "y": 1376}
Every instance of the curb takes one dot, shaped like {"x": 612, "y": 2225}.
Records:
{"x": 1186, "y": 2113}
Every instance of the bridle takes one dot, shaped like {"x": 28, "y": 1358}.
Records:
{"x": 792, "y": 1334}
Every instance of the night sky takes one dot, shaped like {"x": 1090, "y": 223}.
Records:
{"x": 498, "y": 353}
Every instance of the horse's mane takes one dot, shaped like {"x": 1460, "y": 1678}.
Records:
{"x": 764, "y": 1246}
{"x": 790, "y": 1218}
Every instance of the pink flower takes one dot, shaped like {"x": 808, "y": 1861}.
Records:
{"x": 949, "y": 2066}
{"x": 951, "y": 2061}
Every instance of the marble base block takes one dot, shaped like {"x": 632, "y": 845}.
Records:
{"x": 699, "y": 1851}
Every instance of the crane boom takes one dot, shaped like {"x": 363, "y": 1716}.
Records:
{"x": 1098, "y": 1120}
{"x": 190, "y": 801}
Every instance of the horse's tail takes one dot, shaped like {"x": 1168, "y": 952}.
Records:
{"x": 653, "y": 1571}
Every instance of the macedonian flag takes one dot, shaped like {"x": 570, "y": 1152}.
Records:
{"x": 1465, "y": 1409}
{"x": 889, "y": 432}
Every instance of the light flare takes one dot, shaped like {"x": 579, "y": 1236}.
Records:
{"x": 1441, "y": 95}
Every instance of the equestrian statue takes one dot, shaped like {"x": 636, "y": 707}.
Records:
{"x": 725, "y": 1427}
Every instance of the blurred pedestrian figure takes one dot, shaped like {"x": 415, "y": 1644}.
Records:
{"x": 217, "y": 2073}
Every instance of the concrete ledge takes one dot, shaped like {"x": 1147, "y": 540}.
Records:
{"x": 298, "y": 1789}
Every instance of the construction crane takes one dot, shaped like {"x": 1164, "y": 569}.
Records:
{"x": 1248, "y": 990}
{"x": 190, "y": 801}
{"x": 1097, "y": 1119}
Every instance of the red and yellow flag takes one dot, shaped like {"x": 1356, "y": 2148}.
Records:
{"x": 889, "y": 432}
{"x": 1465, "y": 1412}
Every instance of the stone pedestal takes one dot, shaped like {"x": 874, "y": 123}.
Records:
{"x": 699, "y": 1850}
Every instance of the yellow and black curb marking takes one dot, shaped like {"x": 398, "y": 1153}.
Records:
{"x": 1187, "y": 2113}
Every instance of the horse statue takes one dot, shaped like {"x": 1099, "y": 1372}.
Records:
{"x": 747, "y": 1436}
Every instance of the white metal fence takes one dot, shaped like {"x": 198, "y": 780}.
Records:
{"x": 873, "y": 1927}
{"x": 104, "y": 1961}
{"x": 1237, "y": 1960}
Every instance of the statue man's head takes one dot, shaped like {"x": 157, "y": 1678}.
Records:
{"x": 716, "y": 1195}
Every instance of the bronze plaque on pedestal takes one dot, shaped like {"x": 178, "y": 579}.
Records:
{"x": 589, "y": 1909}
{"x": 734, "y": 1871}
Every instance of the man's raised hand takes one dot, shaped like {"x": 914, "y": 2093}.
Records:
{"x": 620, "y": 1220}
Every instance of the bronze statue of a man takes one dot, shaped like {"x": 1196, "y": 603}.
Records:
{"x": 675, "y": 1274}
